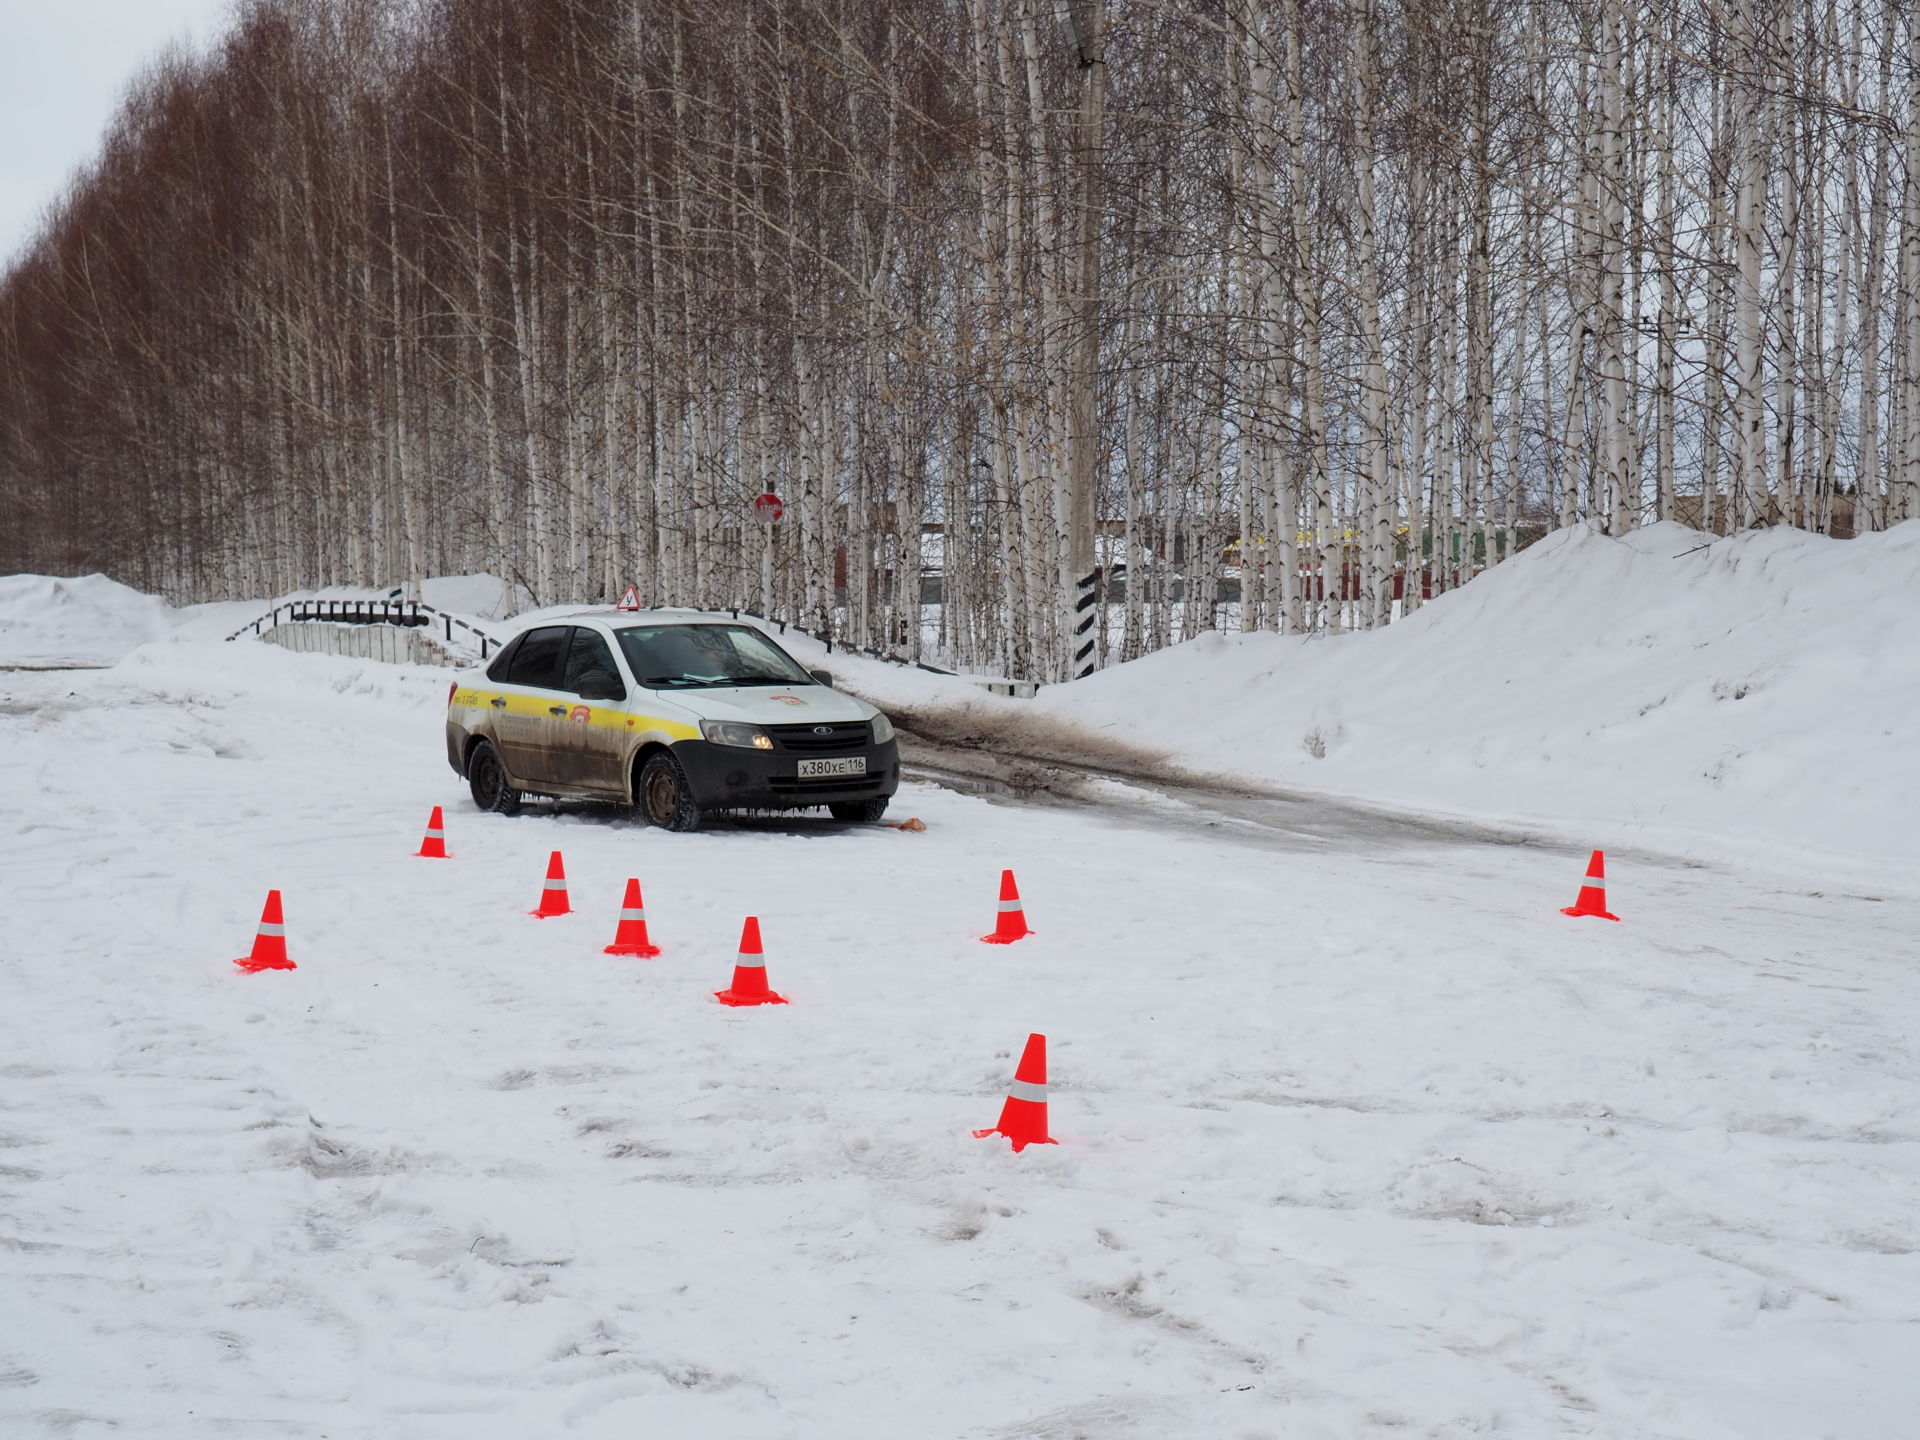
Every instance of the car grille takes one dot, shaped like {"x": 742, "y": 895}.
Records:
{"x": 844, "y": 739}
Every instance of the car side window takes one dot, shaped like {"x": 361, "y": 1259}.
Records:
{"x": 589, "y": 655}
{"x": 537, "y": 662}
{"x": 503, "y": 662}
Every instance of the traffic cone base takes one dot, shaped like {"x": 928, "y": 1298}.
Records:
{"x": 1012, "y": 922}
{"x": 1592, "y": 899}
{"x": 553, "y": 895}
{"x": 1019, "y": 1143}
{"x": 1023, "y": 1118}
{"x": 434, "y": 847}
{"x": 269, "y": 941}
{"x": 630, "y": 936}
{"x": 749, "y": 972}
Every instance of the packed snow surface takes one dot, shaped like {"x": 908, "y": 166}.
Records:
{"x": 1754, "y": 696}
{"x": 1356, "y": 1141}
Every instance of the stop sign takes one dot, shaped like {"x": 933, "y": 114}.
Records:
{"x": 768, "y": 508}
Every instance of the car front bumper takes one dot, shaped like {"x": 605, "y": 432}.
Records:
{"x": 730, "y": 777}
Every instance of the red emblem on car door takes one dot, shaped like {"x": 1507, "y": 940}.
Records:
{"x": 582, "y": 714}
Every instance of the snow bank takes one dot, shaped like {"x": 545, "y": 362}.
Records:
{"x": 48, "y": 620}
{"x": 1732, "y": 697}
{"x": 79, "y": 620}
{"x": 483, "y": 596}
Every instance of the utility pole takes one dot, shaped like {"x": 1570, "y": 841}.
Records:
{"x": 1086, "y": 20}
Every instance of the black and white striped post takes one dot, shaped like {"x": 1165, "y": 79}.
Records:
{"x": 1088, "y": 595}
{"x": 1086, "y": 603}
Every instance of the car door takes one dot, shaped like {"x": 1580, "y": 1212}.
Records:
{"x": 530, "y": 710}
{"x": 591, "y": 747}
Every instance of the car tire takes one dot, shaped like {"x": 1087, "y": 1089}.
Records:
{"x": 859, "y": 811}
{"x": 487, "y": 781}
{"x": 664, "y": 797}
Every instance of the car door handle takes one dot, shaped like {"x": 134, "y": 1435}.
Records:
{"x": 556, "y": 709}
{"x": 499, "y": 702}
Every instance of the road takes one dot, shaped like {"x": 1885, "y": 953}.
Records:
{"x": 1159, "y": 798}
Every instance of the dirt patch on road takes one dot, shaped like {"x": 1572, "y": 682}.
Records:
{"x": 1001, "y": 738}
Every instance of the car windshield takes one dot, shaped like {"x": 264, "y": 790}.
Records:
{"x": 689, "y": 657}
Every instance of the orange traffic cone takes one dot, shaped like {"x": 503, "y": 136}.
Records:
{"x": 553, "y": 896}
{"x": 434, "y": 847}
{"x": 1023, "y": 1119}
{"x": 630, "y": 936}
{"x": 1593, "y": 894}
{"x": 1012, "y": 924}
{"x": 749, "y": 972}
{"x": 269, "y": 942}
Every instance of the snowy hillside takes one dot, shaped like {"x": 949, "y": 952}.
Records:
{"x": 1758, "y": 695}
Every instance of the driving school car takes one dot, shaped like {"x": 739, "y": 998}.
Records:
{"x": 676, "y": 712}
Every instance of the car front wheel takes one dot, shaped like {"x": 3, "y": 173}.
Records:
{"x": 487, "y": 780}
{"x": 665, "y": 797}
{"x": 859, "y": 811}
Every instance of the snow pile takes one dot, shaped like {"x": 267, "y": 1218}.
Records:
{"x": 83, "y": 620}
{"x": 52, "y": 621}
{"x": 486, "y": 597}
{"x": 1755, "y": 695}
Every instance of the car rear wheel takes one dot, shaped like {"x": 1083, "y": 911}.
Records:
{"x": 664, "y": 795}
{"x": 487, "y": 780}
{"x": 858, "y": 811}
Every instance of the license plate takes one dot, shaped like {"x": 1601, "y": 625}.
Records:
{"x": 842, "y": 765}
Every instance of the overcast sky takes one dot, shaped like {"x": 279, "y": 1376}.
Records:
{"x": 63, "y": 67}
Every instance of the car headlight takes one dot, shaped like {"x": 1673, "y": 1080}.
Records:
{"x": 736, "y": 732}
{"x": 882, "y": 729}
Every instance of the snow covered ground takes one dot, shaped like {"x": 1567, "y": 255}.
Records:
{"x": 1357, "y": 1141}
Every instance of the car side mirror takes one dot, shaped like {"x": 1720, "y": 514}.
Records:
{"x": 822, "y": 677}
{"x": 598, "y": 685}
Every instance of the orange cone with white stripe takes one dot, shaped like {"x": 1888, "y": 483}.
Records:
{"x": 630, "y": 936}
{"x": 1593, "y": 892}
{"x": 1012, "y": 924}
{"x": 1023, "y": 1119}
{"x": 553, "y": 895}
{"x": 270, "y": 941}
{"x": 749, "y": 972}
{"x": 434, "y": 847}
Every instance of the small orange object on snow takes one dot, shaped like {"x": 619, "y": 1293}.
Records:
{"x": 553, "y": 895}
{"x": 434, "y": 847}
{"x": 630, "y": 936}
{"x": 1012, "y": 924}
{"x": 1593, "y": 893}
{"x": 1023, "y": 1119}
{"x": 269, "y": 942}
{"x": 749, "y": 972}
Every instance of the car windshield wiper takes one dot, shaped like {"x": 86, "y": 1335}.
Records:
{"x": 667, "y": 682}
{"x": 766, "y": 680}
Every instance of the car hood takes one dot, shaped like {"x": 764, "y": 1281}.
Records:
{"x": 775, "y": 704}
